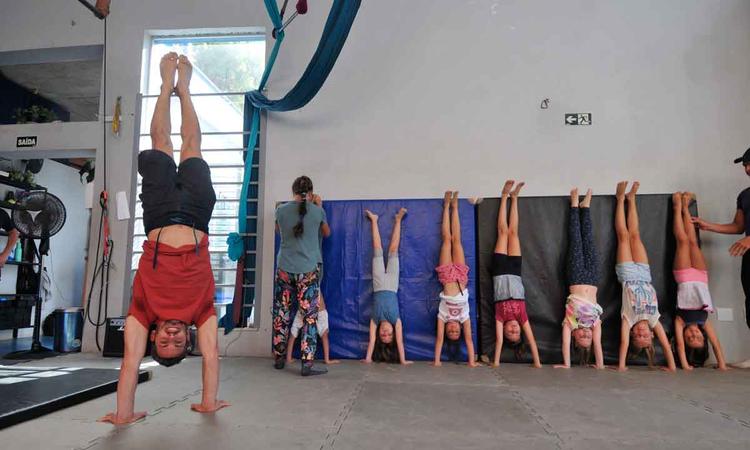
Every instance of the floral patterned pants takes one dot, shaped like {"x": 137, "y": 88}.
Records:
{"x": 302, "y": 288}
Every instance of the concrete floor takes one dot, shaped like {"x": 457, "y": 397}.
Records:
{"x": 360, "y": 407}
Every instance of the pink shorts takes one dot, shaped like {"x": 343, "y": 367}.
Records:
{"x": 453, "y": 273}
{"x": 691, "y": 274}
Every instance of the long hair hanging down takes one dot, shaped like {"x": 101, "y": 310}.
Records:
{"x": 453, "y": 350}
{"x": 453, "y": 347}
{"x": 584, "y": 354}
{"x": 387, "y": 353}
{"x": 302, "y": 186}
{"x": 650, "y": 352}
{"x": 519, "y": 348}
{"x": 697, "y": 357}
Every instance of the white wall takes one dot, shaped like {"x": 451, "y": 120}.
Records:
{"x": 66, "y": 261}
{"x": 447, "y": 93}
{"x": 429, "y": 94}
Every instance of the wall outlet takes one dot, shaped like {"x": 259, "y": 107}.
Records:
{"x": 725, "y": 314}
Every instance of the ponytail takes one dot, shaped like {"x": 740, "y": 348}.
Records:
{"x": 299, "y": 229}
{"x": 301, "y": 186}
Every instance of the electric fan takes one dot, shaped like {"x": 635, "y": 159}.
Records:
{"x": 38, "y": 215}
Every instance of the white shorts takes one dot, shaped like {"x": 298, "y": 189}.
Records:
{"x": 322, "y": 323}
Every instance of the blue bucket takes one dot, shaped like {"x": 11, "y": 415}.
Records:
{"x": 68, "y": 329}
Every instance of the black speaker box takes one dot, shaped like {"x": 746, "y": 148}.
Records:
{"x": 114, "y": 338}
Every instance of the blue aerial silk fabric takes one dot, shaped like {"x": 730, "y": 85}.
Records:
{"x": 339, "y": 22}
{"x": 335, "y": 32}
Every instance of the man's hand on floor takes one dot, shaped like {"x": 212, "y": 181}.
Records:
{"x": 115, "y": 420}
{"x": 201, "y": 408}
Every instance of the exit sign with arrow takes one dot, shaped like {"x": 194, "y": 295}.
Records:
{"x": 578, "y": 119}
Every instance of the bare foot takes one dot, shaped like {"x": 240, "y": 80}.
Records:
{"x": 514, "y": 193}
{"x": 633, "y": 191}
{"x": 167, "y": 68}
{"x": 677, "y": 199}
{"x": 185, "y": 72}
{"x": 507, "y": 187}
{"x": 620, "y": 193}
{"x": 475, "y": 200}
{"x": 688, "y": 197}
{"x": 332, "y": 361}
{"x": 401, "y": 213}
{"x": 447, "y": 198}
{"x": 454, "y": 199}
{"x": 371, "y": 216}
{"x": 574, "y": 198}
{"x": 217, "y": 405}
{"x": 587, "y": 199}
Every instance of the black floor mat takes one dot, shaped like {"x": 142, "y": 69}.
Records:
{"x": 29, "y": 392}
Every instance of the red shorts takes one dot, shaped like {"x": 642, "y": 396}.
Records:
{"x": 453, "y": 273}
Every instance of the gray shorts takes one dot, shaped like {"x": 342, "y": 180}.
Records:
{"x": 384, "y": 279}
{"x": 508, "y": 287}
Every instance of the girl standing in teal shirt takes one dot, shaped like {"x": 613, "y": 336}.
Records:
{"x": 300, "y": 223}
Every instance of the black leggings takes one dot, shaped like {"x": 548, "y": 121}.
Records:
{"x": 582, "y": 258}
{"x": 746, "y": 285}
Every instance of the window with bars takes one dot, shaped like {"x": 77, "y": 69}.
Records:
{"x": 225, "y": 66}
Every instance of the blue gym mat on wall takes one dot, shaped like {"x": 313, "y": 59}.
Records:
{"x": 347, "y": 279}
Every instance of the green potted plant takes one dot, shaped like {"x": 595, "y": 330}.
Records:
{"x": 34, "y": 114}
{"x": 21, "y": 177}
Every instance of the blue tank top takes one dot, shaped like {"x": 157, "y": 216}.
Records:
{"x": 691, "y": 316}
